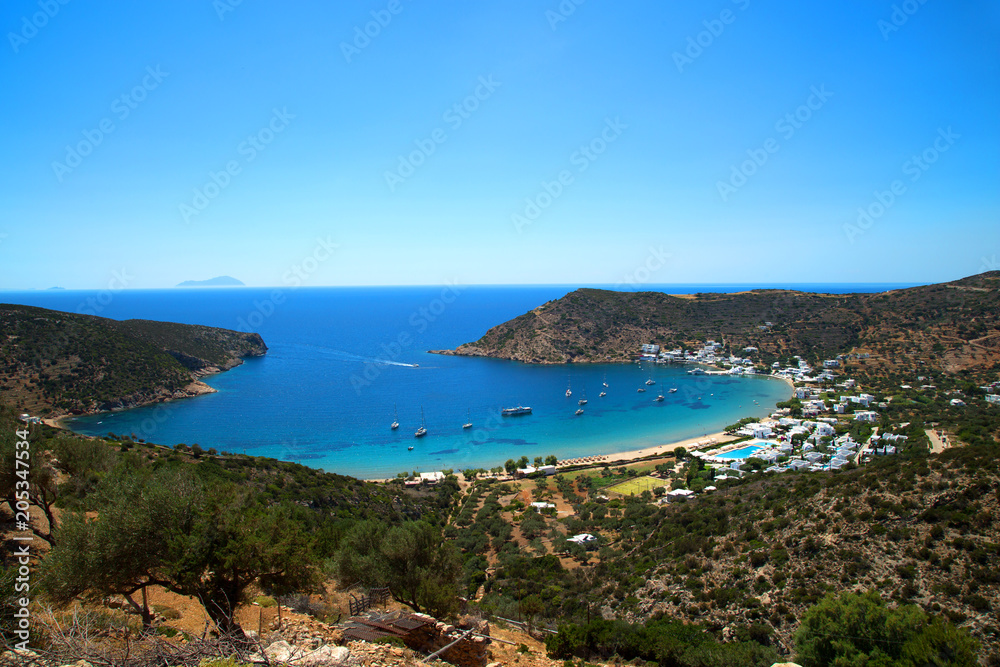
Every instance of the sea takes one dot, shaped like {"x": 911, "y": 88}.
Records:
{"x": 344, "y": 362}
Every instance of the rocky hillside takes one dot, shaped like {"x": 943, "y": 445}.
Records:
{"x": 755, "y": 554}
{"x": 952, "y": 326}
{"x": 54, "y": 363}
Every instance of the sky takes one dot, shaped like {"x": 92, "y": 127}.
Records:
{"x": 399, "y": 142}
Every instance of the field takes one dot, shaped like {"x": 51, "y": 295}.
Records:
{"x": 637, "y": 485}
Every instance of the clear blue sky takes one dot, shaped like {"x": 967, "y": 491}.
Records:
{"x": 660, "y": 203}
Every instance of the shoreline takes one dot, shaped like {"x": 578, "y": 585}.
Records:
{"x": 708, "y": 441}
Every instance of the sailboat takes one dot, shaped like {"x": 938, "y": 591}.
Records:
{"x": 673, "y": 389}
{"x": 395, "y": 418}
{"x": 468, "y": 424}
{"x": 650, "y": 381}
{"x": 660, "y": 397}
{"x": 422, "y": 431}
{"x": 605, "y": 383}
{"x": 579, "y": 412}
{"x": 603, "y": 394}
{"x": 583, "y": 399}
{"x": 569, "y": 389}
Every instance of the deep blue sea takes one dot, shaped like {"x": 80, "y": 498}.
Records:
{"x": 343, "y": 361}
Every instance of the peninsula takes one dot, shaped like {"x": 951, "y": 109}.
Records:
{"x": 54, "y": 363}
{"x": 950, "y": 327}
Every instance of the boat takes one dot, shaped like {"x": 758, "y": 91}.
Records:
{"x": 650, "y": 381}
{"x": 583, "y": 399}
{"x": 468, "y": 424}
{"x": 605, "y": 383}
{"x": 673, "y": 389}
{"x": 603, "y": 394}
{"x": 513, "y": 412}
{"x": 641, "y": 389}
{"x": 660, "y": 397}
{"x": 395, "y": 418}
{"x": 410, "y": 448}
{"x": 579, "y": 412}
{"x": 569, "y": 389}
{"x": 422, "y": 431}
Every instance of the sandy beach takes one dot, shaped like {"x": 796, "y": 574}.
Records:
{"x": 656, "y": 450}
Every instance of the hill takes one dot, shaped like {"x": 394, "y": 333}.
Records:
{"x": 219, "y": 281}
{"x": 950, "y": 326}
{"x": 54, "y": 363}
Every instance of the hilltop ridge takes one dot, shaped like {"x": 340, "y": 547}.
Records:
{"x": 952, "y": 326}
{"x": 55, "y": 363}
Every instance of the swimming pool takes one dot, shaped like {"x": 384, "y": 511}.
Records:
{"x": 742, "y": 453}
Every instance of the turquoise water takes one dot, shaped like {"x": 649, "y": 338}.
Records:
{"x": 742, "y": 453}
{"x": 340, "y": 359}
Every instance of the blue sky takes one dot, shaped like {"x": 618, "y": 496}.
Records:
{"x": 671, "y": 142}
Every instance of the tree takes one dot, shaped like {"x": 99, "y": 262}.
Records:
{"x": 411, "y": 559}
{"x": 522, "y": 462}
{"x": 858, "y": 629}
{"x": 166, "y": 528}
{"x": 510, "y": 466}
{"x": 34, "y": 484}
{"x": 551, "y": 460}
{"x": 538, "y": 461}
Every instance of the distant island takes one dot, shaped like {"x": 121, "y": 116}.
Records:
{"x": 218, "y": 281}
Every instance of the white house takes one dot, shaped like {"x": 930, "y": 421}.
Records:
{"x": 583, "y": 539}
{"x": 823, "y": 429}
{"x": 866, "y": 416}
{"x": 432, "y": 477}
{"x": 993, "y": 398}
{"x": 957, "y": 402}
{"x": 831, "y": 363}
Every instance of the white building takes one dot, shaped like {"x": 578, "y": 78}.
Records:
{"x": 866, "y": 416}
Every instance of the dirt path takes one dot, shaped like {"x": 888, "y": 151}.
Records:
{"x": 938, "y": 443}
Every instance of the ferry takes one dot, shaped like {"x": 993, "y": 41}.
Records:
{"x": 513, "y": 412}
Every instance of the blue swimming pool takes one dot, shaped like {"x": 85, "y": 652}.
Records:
{"x": 742, "y": 453}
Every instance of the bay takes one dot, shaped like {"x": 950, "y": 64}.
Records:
{"x": 343, "y": 362}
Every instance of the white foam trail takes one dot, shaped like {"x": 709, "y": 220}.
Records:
{"x": 350, "y": 356}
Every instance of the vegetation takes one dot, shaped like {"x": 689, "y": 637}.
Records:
{"x": 950, "y": 326}
{"x": 858, "y": 629}
{"x": 54, "y": 363}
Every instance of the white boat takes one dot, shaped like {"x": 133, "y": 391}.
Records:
{"x": 660, "y": 397}
{"x": 605, "y": 383}
{"x": 422, "y": 431}
{"x": 468, "y": 424}
{"x": 650, "y": 381}
{"x": 410, "y": 448}
{"x": 673, "y": 389}
{"x": 641, "y": 389}
{"x": 513, "y": 412}
{"x": 395, "y": 418}
{"x": 569, "y": 389}
{"x": 583, "y": 399}
{"x": 580, "y": 411}
{"x": 603, "y": 394}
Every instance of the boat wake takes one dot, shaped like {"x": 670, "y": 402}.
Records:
{"x": 341, "y": 355}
